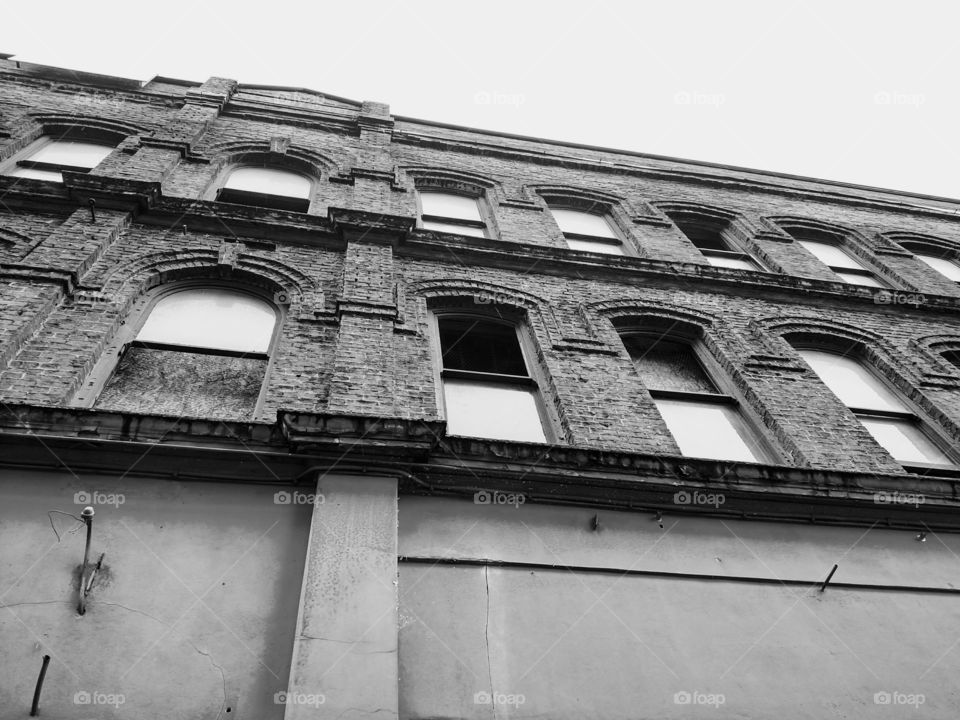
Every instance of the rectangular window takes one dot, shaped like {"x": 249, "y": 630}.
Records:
{"x": 449, "y": 213}
{"x": 47, "y": 159}
{"x": 948, "y": 268}
{"x": 707, "y": 234}
{"x": 703, "y": 422}
{"x": 885, "y": 416}
{"x": 487, "y": 390}
{"x": 844, "y": 265}
{"x": 588, "y": 232}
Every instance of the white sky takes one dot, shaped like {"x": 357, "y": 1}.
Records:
{"x": 862, "y": 92}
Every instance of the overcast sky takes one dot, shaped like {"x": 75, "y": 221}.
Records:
{"x": 862, "y": 92}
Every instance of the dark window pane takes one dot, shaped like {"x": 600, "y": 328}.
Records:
{"x": 667, "y": 365}
{"x": 481, "y": 346}
{"x": 703, "y": 235}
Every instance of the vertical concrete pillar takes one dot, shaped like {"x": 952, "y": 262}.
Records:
{"x": 345, "y": 647}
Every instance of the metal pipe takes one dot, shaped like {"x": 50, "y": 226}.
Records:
{"x": 824, "y": 586}
{"x": 35, "y": 707}
{"x": 87, "y": 516}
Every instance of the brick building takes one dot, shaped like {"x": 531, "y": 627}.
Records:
{"x": 381, "y": 415}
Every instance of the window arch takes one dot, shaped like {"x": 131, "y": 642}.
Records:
{"x": 265, "y": 185}
{"x": 713, "y": 236}
{"x": 55, "y": 152}
{"x": 196, "y": 349}
{"x": 687, "y": 387}
{"x": 488, "y": 388}
{"x": 883, "y": 412}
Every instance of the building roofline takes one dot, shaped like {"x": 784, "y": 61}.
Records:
{"x": 679, "y": 160}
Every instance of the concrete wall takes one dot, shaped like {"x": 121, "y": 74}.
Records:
{"x": 595, "y": 642}
{"x": 192, "y": 615}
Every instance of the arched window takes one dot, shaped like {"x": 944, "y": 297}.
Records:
{"x": 445, "y": 211}
{"x": 704, "y": 421}
{"x": 267, "y": 187}
{"x": 713, "y": 238}
{"x": 200, "y": 352}
{"x": 488, "y": 389}
{"x": 588, "y": 230}
{"x": 48, "y": 158}
{"x": 828, "y": 249}
{"x": 882, "y": 411}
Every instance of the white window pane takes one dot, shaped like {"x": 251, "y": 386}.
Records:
{"x": 944, "y": 267}
{"x": 831, "y": 255}
{"x": 851, "y": 382}
{"x": 459, "y": 229}
{"x": 857, "y": 279}
{"x": 597, "y": 247}
{"x": 77, "y": 154}
{"x": 582, "y": 223}
{"x": 904, "y": 441}
{"x": 37, "y": 174}
{"x": 450, "y": 206}
{"x": 709, "y": 430}
{"x": 211, "y": 318}
{"x": 731, "y": 262}
{"x": 488, "y": 410}
{"x": 269, "y": 181}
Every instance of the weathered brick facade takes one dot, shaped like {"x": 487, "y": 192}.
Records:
{"x": 352, "y": 378}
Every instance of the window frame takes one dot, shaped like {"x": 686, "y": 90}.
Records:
{"x": 909, "y": 416}
{"x": 21, "y": 158}
{"x": 948, "y": 255}
{"x": 840, "y": 243}
{"x": 606, "y": 214}
{"x": 105, "y": 368}
{"x": 720, "y": 226}
{"x": 484, "y": 224}
{"x": 533, "y": 380}
{"x": 757, "y": 441}
{"x": 270, "y": 201}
